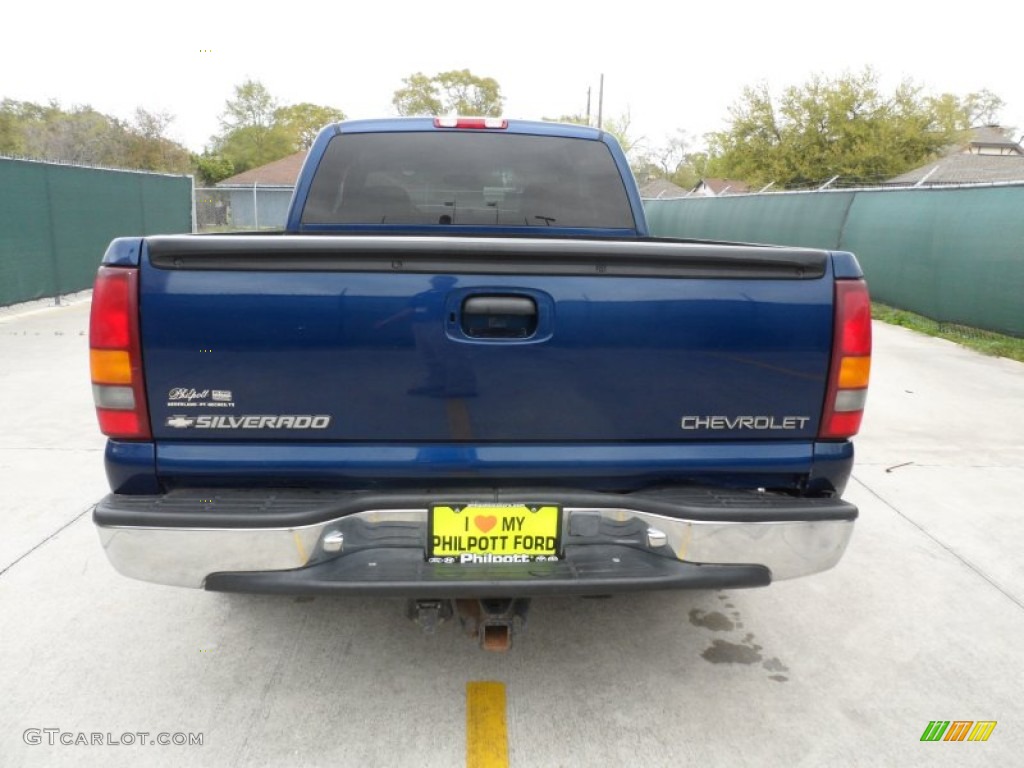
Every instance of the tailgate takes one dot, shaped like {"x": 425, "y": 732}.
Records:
{"x": 478, "y": 340}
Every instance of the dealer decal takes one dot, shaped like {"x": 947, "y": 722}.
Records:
{"x": 187, "y": 394}
{"x": 303, "y": 421}
{"x": 190, "y": 397}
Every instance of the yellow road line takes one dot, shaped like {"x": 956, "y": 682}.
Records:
{"x": 486, "y": 726}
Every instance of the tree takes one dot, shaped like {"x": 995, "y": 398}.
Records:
{"x": 673, "y": 161}
{"x": 419, "y": 96}
{"x": 302, "y": 122}
{"x": 12, "y": 133}
{"x": 83, "y": 135}
{"x": 252, "y": 146}
{"x": 457, "y": 91}
{"x": 253, "y": 106}
{"x": 212, "y": 168}
{"x": 670, "y": 156}
{"x": 146, "y": 146}
{"x": 250, "y": 138}
{"x": 257, "y": 130}
{"x": 960, "y": 114}
{"x": 838, "y": 127}
{"x": 982, "y": 107}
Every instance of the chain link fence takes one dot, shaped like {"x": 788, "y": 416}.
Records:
{"x": 229, "y": 209}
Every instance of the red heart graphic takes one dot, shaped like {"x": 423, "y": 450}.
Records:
{"x": 485, "y": 523}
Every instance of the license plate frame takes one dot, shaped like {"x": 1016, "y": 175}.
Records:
{"x": 480, "y": 532}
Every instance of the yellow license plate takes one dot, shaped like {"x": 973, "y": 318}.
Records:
{"x": 494, "y": 533}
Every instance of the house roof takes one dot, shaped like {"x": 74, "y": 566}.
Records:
{"x": 994, "y": 136}
{"x": 725, "y": 186}
{"x": 661, "y": 188}
{"x": 965, "y": 169}
{"x": 282, "y": 173}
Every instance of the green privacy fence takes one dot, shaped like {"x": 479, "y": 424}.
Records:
{"x": 954, "y": 255}
{"x": 56, "y": 221}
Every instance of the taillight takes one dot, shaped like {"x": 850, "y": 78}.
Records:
{"x": 497, "y": 123}
{"x": 115, "y": 356}
{"x": 851, "y": 361}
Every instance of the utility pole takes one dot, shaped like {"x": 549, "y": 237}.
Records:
{"x": 600, "y": 102}
{"x": 588, "y": 105}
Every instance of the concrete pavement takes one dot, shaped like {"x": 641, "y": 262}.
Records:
{"x": 920, "y": 621}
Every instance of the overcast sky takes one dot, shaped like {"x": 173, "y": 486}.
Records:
{"x": 672, "y": 65}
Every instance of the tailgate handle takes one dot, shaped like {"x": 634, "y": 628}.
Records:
{"x": 499, "y": 317}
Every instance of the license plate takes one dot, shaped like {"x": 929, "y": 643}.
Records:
{"x": 494, "y": 533}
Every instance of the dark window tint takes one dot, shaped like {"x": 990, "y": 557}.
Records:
{"x": 481, "y": 179}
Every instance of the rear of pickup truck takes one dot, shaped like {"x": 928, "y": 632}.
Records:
{"x": 444, "y": 406}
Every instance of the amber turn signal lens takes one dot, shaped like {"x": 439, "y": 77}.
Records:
{"x": 110, "y": 366}
{"x": 854, "y": 372}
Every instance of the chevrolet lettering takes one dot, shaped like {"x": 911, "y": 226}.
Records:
{"x": 745, "y": 422}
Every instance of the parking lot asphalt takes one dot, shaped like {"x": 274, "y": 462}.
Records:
{"x": 919, "y": 622}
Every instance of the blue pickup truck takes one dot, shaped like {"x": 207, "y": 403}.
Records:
{"x": 466, "y": 375}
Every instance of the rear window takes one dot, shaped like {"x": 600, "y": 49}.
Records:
{"x": 468, "y": 178}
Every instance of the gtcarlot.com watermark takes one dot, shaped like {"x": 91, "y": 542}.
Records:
{"x": 57, "y": 737}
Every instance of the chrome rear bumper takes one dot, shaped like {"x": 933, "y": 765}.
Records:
{"x": 153, "y": 539}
